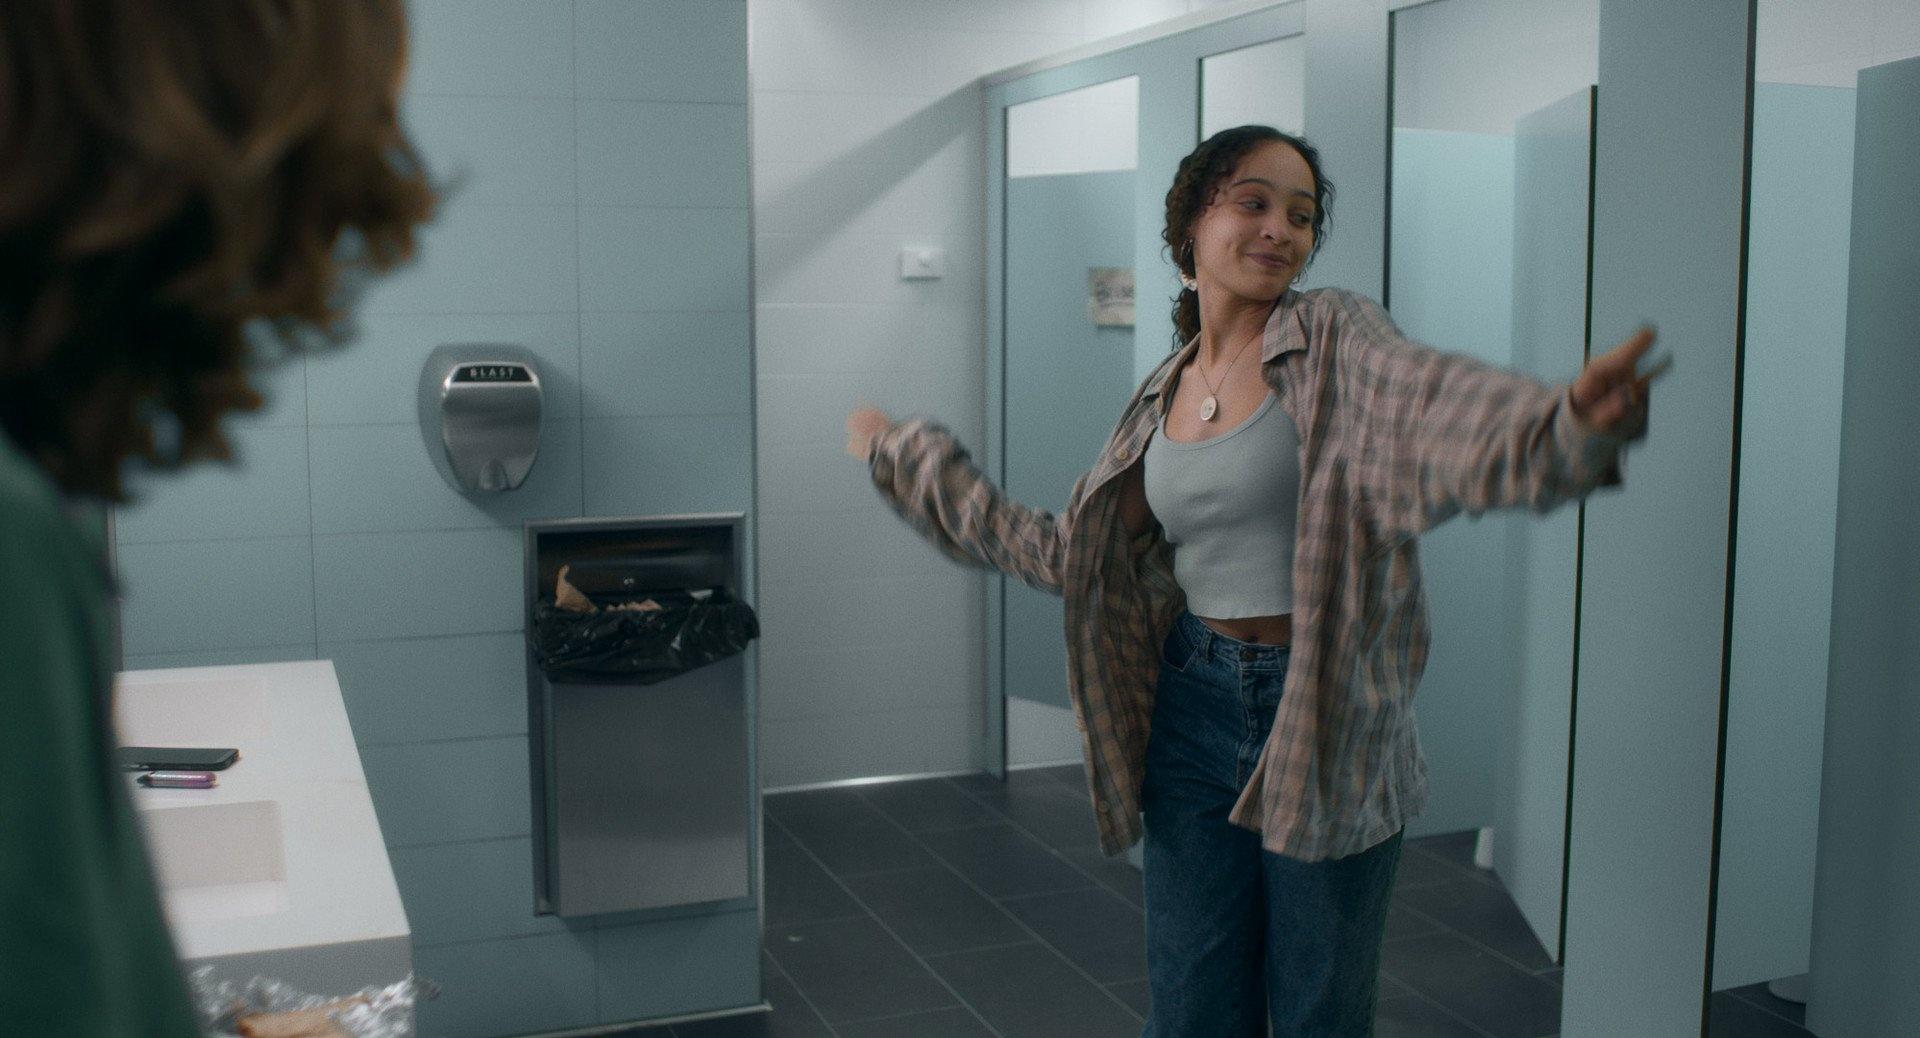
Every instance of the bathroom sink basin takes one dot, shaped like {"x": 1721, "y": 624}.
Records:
{"x": 278, "y": 870}
{"x": 219, "y": 861}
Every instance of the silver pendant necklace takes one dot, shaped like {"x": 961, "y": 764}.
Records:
{"x": 1211, "y": 405}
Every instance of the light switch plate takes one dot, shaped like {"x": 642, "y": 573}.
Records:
{"x": 922, "y": 263}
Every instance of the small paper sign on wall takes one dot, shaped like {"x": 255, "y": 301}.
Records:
{"x": 1110, "y": 296}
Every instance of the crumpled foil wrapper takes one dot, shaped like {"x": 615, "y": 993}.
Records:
{"x": 374, "y": 1012}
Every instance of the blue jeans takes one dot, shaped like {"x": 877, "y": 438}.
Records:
{"x": 1238, "y": 935}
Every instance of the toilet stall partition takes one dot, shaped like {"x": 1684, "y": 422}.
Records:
{"x": 638, "y": 723}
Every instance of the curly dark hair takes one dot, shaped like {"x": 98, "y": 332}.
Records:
{"x": 1196, "y": 183}
{"x": 171, "y": 172}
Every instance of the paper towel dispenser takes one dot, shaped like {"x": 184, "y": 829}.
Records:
{"x": 480, "y": 403}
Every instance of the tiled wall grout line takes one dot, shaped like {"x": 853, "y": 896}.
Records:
{"x": 579, "y": 274}
{"x": 875, "y": 916}
{"x": 579, "y": 365}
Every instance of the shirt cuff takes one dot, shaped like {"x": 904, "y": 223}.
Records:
{"x": 1593, "y": 458}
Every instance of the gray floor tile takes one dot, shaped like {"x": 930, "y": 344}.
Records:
{"x": 1027, "y": 991}
{"x": 958, "y": 1022}
{"x": 1026, "y": 784}
{"x": 1005, "y": 862}
{"x": 1454, "y": 847}
{"x": 1418, "y": 869}
{"x": 1074, "y": 775}
{"x": 790, "y": 1017}
{"x": 1411, "y": 1016}
{"x": 935, "y": 911}
{"x": 1060, "y": 822}
{"x": 1403, "y": 923}
{"x": 1767, "y": 1000}
{"x": 798, "y": 891}
{"x": 1116, "y": 873}
{"x": 1135, "y": 994}
{"x": 1484, "y": 913}
{"x": 1050, "y": 803}
{"x": 927, "y": 804}
{"x": 1094, "y": 928}
{"x": 852, "y": 969}
{"x": 849, "y": 835}
{"x": 1733, "y": 1017}
{"x": 1475, "y": 985}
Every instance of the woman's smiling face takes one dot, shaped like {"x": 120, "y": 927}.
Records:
{"x": 1253, "y": 239}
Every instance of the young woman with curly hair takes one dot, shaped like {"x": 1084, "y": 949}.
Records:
{"x": 179, "y": 181}
{"x": 1244, "y": 617}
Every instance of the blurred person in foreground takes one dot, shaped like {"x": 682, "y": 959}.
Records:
{"x": 179, "y": 180}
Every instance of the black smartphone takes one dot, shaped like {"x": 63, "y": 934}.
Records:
{"x": 175, "y": 758}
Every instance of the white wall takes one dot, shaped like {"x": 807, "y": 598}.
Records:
{"x": 1828, "y": 42}
{"x": 1265, "y": 84}
{"x": 1094, "y": 129}
{"x": 1477, "y": 65}
{"x": 868, "y": 136}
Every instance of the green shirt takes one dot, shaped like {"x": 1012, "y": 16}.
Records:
{"x": 84, "y": 948}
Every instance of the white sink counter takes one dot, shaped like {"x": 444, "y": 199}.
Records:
{"x": 279, "y": 871}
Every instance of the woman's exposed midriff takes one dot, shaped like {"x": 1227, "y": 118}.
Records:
{"x": 1263, "y": 630}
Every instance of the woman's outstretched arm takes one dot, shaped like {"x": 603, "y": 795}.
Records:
{"x": 1435, "y": 433}
{"x": 931, "y": 482}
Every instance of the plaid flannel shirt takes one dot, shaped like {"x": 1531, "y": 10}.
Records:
{"x": 1395, "y": 437}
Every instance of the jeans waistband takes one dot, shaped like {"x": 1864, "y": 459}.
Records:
{"x": 1213, "y": 646}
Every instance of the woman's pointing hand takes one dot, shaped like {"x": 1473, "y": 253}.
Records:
{"x": 1610, "y": 396}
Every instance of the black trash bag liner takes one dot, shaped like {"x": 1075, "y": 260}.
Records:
{"x": 641, "y": 647}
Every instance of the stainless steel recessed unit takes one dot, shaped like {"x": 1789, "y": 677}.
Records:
{"x": 643, "y": 795}
{"x": 481, "y": 403}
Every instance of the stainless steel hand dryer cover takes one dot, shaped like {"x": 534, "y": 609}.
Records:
{"x": 482, "y": 402}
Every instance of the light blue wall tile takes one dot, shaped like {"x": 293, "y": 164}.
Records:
{"x": 676, "y": 966}
{"x": 376, "y": 377}
{"x": 486, "y": 259}
{"x": 666, "y": 50}
{"x": 374, "y": 478}
{"x": 660, "y": 466}
{"x": 220, "y": 657}
{"x": 651, "y": 153}
{"x": 407, "y": 585}
{"x": 1453, "y": 198}
{"x": 263, "y": 493}
{"x": 521, "y": 986}
{"x": 496, "y": 150}
{"x": 444, "y": 792}
{"x": 186, "y": 596}
{"x": 281, "y": 384}
{"x": 411, "y": 689}
{"x": 493, "y": 48}
{"x": 663, "y": 363}
{"x": 663, "y": 259}
{"x": 471, "y": 891}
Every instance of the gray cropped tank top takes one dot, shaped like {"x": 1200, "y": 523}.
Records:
{"x": 1228, "y": 506}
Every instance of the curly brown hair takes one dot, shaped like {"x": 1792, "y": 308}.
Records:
{"x": 1196, "y": 183}
{"x": 172, "y": 171}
